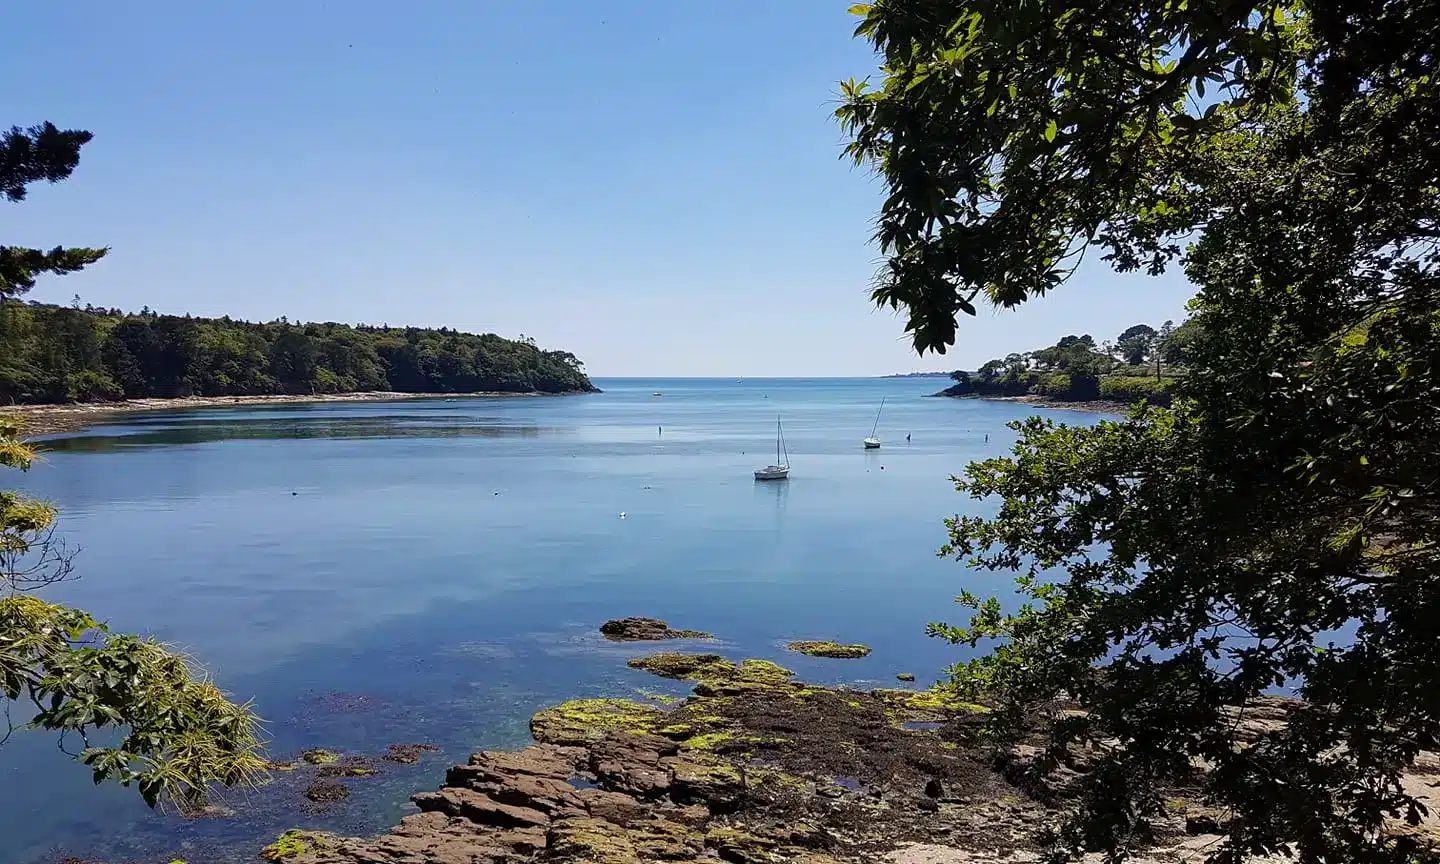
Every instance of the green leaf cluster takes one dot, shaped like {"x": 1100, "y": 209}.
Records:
{"x": 1276, "y": 527}
{"x": 40, "y": 154}
{"x": 177, "y": 732}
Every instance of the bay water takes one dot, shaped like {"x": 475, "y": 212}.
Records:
{"x": 433, "y": 571}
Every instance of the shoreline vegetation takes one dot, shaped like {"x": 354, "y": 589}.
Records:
{"x": 1079, "y": 374}
{"x": 57, "y": 418}
{"x": 84, "y": 354}
{"x": 1094, "y": 406}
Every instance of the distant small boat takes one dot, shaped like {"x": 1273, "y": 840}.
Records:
{"x": 781, "y": 469}
{"x": 657, "y": 393}
{"x": 449, "y": 400}
{"x": 873, "y": 443}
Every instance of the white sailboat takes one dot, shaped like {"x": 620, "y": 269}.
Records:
{"x": 873, "y": 443}
{"x": 781, "y": 469}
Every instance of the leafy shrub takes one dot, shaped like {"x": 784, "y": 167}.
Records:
{"x": 92, "y": 386}
{"x": 1125, "y": 388}
{"x": 23, "y": 384}
{"x": 1055, "y": 385}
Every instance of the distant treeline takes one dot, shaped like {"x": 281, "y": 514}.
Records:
{"x": 67, "y": 354}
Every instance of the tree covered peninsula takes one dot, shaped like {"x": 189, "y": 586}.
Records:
{"x": 82, "y": 354}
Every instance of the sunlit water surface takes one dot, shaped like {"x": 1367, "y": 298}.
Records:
{"x": 432, "y": 571}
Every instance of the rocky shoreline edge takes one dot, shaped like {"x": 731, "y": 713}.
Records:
{"x": 754, "y": 766}
{"x": 52, "y": 419}
{"x": 1099, "y": 406}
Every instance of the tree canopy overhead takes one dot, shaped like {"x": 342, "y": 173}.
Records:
{"x": 1276, "y": 527}
{"x": 1013, "y": 137}
{"x": 27, "y": 156}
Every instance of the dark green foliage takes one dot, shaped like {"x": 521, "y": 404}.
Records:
{"x": 1055, "y": 385}
{"x": 1143, "y": 331}
{"x": 40, "y": 154}
{"x": 1176, "y": 347}
{"x": 1276, "y": 527}
{"x": 55, "y": 354}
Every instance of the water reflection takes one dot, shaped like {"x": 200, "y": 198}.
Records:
{"x": 171, "y": 433}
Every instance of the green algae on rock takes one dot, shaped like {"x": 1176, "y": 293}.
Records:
{"x": 319, "y": 756}
{"x": 933, "y": 704}
{"x": 583, "y": 721}
{"x": 765, "y": 672}
{"x": 833, "y": 650}
{"x": 768, "y": 770}
{"x": 905, "y": 676}
{"x": 590, "y": 839}
{"x": 294, "y": 843}
{"x": 680, "y": 666}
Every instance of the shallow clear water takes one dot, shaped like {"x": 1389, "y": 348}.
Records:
{"x": 432, "y": 571}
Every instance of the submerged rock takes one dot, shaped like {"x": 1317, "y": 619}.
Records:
{"x": 406, "y": 754}
{"x": 905, "y": 676}
{"x": 346, "y": 766}
{"x": 325, "y": 791}
{"x": 832, "y": 650}
{"x": 645, "y": 630}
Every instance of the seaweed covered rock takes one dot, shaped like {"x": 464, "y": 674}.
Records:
{"x": 407, "y": 754}
{"x": 833, "y": 650}
{"x": 591, "y": 840}
{"x": 645, "y": 630}
{"x": 705, "y": 780}
{"x": 753, "y": 767}
{"x": 295, "y": 843}
{"x": 582, "y": 721}
{"x": 933, "y": 705}
{"x": 674, "y": 664}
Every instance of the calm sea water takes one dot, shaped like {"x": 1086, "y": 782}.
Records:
{"x": 432, "y": 571}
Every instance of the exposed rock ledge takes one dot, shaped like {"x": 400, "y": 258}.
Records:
{"x": 754, "y": 767}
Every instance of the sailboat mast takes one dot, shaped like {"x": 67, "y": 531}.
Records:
{"x": 777, "y": 440}
{"x": 877, "y": 417}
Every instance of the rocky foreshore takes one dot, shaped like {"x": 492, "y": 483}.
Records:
{"x": 753, "y": 767}
{"x": 756, "y": 767}
{"x": 1096, "y": 406}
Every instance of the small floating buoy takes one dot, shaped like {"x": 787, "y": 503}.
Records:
{"x": 294, "y": 492}
{"x": 497, "y": 492}
{"x": 622, "y": 514}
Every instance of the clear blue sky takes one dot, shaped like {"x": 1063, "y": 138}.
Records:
{"x": 652, "y": 185}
